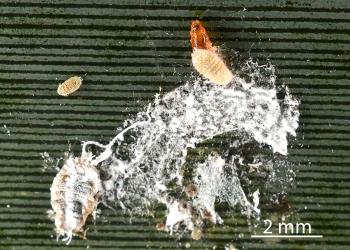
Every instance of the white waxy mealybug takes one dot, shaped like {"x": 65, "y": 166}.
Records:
{"x": 69, "y": 86}
{"x": 211, "y": 66}
{"x": 74, "y": 196}
{"x": 77, "y": 187}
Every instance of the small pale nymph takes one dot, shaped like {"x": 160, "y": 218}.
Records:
{"x": 69, "y": 86}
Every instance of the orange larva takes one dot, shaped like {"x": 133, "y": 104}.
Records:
{"x": 204, "y": 57}
{"x": 74, "y": 196}
{"x": 199, "y": 37}
{"x": 69, "y": 86}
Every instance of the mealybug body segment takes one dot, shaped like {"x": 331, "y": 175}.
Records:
{"x": 74, "y": 196}
{"x": 210, "y": 65}
{"x": 69, "y": 86}
{"x": 204, "y": 57}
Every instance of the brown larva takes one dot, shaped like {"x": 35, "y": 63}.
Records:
{"x": 160, "y": 227}
{"x": 69, "y": 86}
{"x": 74, "y": 196}
{"x": 211, "y": 66}
{"x": 191, "y": 190}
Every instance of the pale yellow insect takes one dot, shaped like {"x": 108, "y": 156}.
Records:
{"x": 204, "y": 57}
{"x": 211, "y": 66}
{"x": 74, "y": 196}
{"x": 69, "y": 86}
{"x": 196, "y": 233}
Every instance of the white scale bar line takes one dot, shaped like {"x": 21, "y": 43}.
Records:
{"x": 286, "y": 236}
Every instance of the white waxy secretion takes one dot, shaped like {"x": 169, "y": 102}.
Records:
{"x": 211, "y": 66}
{"x": 69, "y": 86}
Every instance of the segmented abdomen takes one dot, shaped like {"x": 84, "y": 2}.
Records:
{"x": 74, "y": 195}
{"x": 210, "y": 65}
{"x": 69, "y": 86}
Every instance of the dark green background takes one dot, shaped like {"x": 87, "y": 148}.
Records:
{"x": 126, "y": 50}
